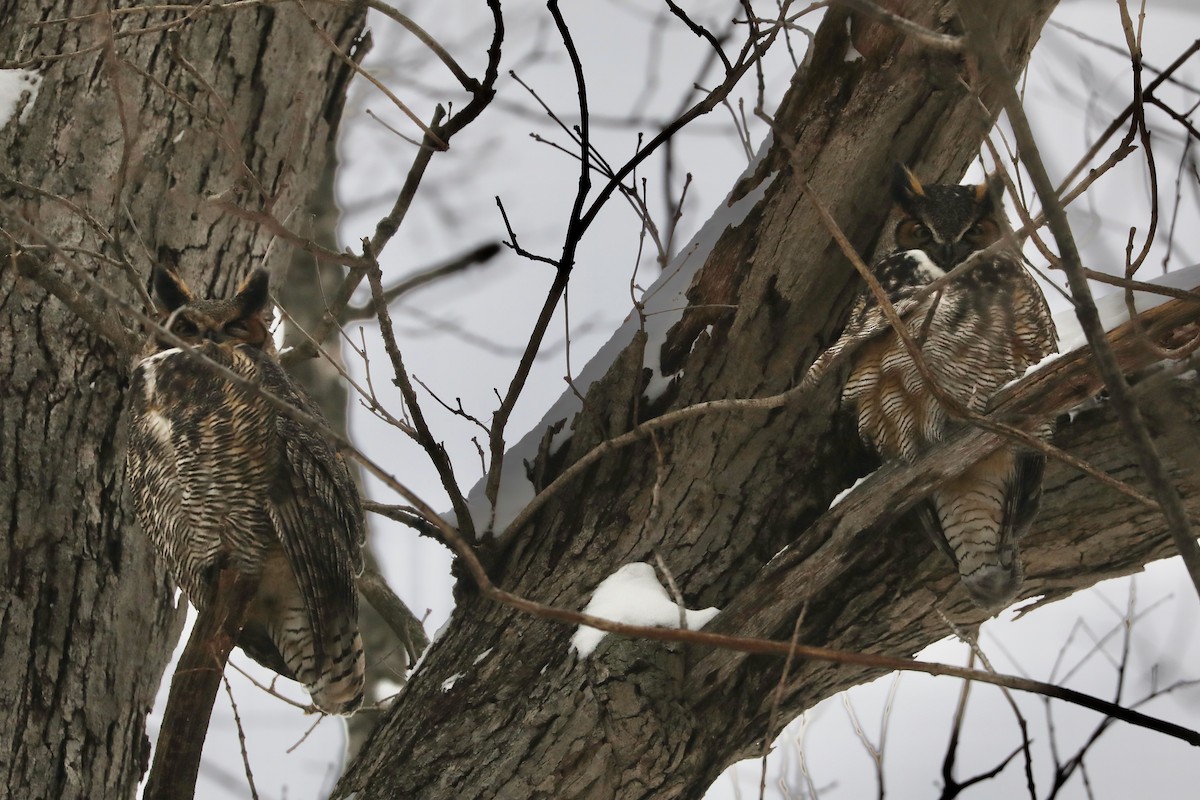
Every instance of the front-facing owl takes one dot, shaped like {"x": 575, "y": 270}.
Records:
{"x": 977, "y": 333}
{"x": 222, "y": 479}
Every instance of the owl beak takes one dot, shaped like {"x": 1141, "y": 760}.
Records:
{"x": 947, "y": 255}
{"x": 951, "y": 254}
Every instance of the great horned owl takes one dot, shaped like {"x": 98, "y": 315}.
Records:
{"x": 221, "y": 479}
{"x": 977, "y": 333}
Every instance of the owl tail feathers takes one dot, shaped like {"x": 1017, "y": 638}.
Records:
{"x": 989, "y": 567}
{"x": 968, "y": 524}
{"x": 333, "y": 672}
{"x": 993, "y": 586}
{"x": 338, "y": 688}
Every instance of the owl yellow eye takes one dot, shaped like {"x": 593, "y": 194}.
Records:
{"x": 911, "y": 234}
{"x": 982, "y": 232}
{"x": 184, "y": 327}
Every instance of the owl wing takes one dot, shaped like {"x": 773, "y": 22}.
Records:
{"x": 1024, "y": 496}
{"x": 314, "y": 508}
{"x": 901, "y": 274}
{"x": 1035, "y": 336}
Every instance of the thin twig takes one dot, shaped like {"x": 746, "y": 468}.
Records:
{"x": 574, "y": 233}
{"x": 702, "y": 32}
{"x": 468, "y": 83}
{"x": 241, "y": 732}
{"x": 67, "y": 291}
{"x": 478, "y": 255}
{"x": 436, "y": 452}
{"x": 431, "y": 135}
{"x": 386, "y": 228}
{"x": 776, "y": 701}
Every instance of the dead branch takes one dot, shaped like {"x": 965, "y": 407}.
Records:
{"x": 194, "y": 688}
{"x": 399, "y": 617}
{"x": 476, "y": 256}
{"x": 931, "y": 39}
{"x": 752, "y": 645}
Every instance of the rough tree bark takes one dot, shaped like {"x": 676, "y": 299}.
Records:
{"x": 139, "y": 129}
{"x": 524, "y": 718}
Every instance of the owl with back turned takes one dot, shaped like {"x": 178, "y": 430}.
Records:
{"x": 222, "y": 479}
{"x": 977, "y": 333}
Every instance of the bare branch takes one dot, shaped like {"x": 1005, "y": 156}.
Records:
{"x": 702, "y": 32}
{"x": 194, "y": 687}
{"x": 395, "y": 612}
{"x": 430, "y": 134}
{"x": 479, "y": 255}
{"x": 237, "y": 721}
{"x": 468, "y": 83}
{"x": 386, "y": 228}
{"x": 435, "y": 451}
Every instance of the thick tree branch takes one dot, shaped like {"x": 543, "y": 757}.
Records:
{"x": 194, "y": 688}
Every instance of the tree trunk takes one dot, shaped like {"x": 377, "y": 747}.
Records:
{"x": 139, "y": 129}
{"x": 523, "y": 717}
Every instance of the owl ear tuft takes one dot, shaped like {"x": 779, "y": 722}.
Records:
{"x": 905, "y": 186}
{"x": 252, "y": 294}
{"x": 989, "y": 194}
{"x": 171, "y": 289}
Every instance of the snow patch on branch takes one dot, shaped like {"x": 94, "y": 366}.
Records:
{"x": 663, "y": 305}
{"x": 852, "y": 53}
{"x": 18, "y": 86}
{"x": 840, "y": 496}
{"x": 632, "y": 595}
{"x": 1113, "y": 312}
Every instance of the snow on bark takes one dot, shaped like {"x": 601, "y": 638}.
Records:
{"x": 18, "y": 86}
{"x": 1113, "y": 313}
{"x": 634, "y": 596}
{"x": 663, "y": 304}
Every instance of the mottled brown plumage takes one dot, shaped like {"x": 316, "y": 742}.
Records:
{"x": 979, "y": 332}
{"x": 220, "y": 478}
